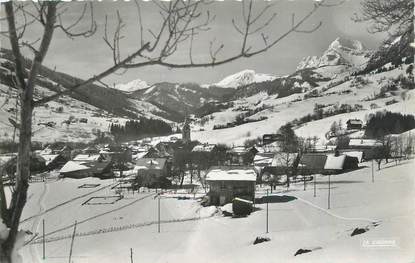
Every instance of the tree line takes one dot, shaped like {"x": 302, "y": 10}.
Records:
{"x": 135, "y": 129}
{"x": 384, "y": 123}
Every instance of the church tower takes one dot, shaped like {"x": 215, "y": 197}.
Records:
{"x": 186, "y": 131}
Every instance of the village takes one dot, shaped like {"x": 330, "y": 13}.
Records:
{"x": 223, "y": 172}
{"x": 157, "y": 182}
{"x": 207, "y": 131}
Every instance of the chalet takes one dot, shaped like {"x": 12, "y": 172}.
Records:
{"x": 204, "y": 148}
{"x": 241, "y": 156}
{"x": 358, "y": 154}
{"x": 281, "y": 164}
{"x": 312, "y": 163}
{"x": 54, "y": 161}
{"x": 58, "y": 148}
{"x": 90, "y": 150}
{"x": 86, "y": 165}
{"x": 226, "y": 183}
{"x": 165, "y": 149}
{"x": 152, "y": 171}
{"x": 336, "y": 163}
{"x": 354, "y": 124}
{"x": 368, "y": 147}
{"x": 75, "y": 170}
{"x": 152, "y": 166}
{"x": 118, "y": 153}
{"x": 262, "y": 160}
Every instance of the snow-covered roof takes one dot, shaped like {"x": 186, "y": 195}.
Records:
{"x": 72, "y": 166}
{"x": 354, "y": 121}
{"x": 151, "y": 163}
{"x": 139, "y": 155}
{"x": 357, "y": 154}
{"x": 237, "y": 174}
{"x": 238, "y": 149}
{"x": 262, "y": 159}
{"x": 203, "y": 148}
{"x": 364, "y": 142}
{"x": 87, "y": 157}
{"x": 49, "y": 157}
{"x": 334, "y": 162}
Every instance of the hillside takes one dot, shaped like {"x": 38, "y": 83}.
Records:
{"x": 242, "y": 106}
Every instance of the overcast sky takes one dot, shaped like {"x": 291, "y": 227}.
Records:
{"x": 83, "y": 57}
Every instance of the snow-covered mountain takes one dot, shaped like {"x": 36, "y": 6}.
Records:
{"x": 243, "y": 78}
{"x": 132, "y": 86}
{"x": 342, "y": 53}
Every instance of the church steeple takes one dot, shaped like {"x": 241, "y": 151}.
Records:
{"x": 186, "y": 131}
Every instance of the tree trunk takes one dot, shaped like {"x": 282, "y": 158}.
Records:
{"x": 19, "y": 196}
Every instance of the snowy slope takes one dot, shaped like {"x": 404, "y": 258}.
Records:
{"x": 304, "y": 222}
{"x": 132, "y": 86}
{"x": 243, "y": 78}
{"x": 282, "y": 110}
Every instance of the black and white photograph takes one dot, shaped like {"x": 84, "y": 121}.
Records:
{"x": 207, "y": 131}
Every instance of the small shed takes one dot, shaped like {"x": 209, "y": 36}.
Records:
{"x": 228, "y": 182}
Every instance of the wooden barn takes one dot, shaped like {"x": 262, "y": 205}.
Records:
{"x": 340, "y": 163}
{"x": 227, "y": 182}
{"x": 312, "y": 163}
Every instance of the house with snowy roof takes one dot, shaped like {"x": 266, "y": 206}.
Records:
{"x": 369, "y": 147}
{"x": 153, "y": 171}
{"x": 205, "y": 148}
{"x": 354, "y": 124}
{"x": 228, "y": 182}
{"x": 241, "y": 155}
{"x": 324, "y": 163}
{"x": 281, "y": 164}
{"x": 336, "y": 163}
{"x": 53, "y": 161}
{"x": 86, "y": 165}
{"x": 157, "y": 167}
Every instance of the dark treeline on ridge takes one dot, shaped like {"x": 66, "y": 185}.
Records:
{"x": 135, "y": 129}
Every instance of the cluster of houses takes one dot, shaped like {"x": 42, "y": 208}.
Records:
{"x": 230, "y": 172}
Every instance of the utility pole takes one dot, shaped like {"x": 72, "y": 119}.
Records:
{"x": 304, "y": 182}
{"x": 373, "y": 174}
{"x": 43, "y": 241}
{"x": 328, "y": 201}
{"x": 158, "y": 214}
{"x": 131, "y": 255}
{"x": 315, "y": 176}
{"x": 72, "y": 241}
{"x": 267, "y": 208}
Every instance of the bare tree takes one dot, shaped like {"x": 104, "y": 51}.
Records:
{"x": 180, "y": 23}
{"x": 395, "y": 17}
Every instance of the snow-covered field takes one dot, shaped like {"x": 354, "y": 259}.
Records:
{"x": 189, "y": 233}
